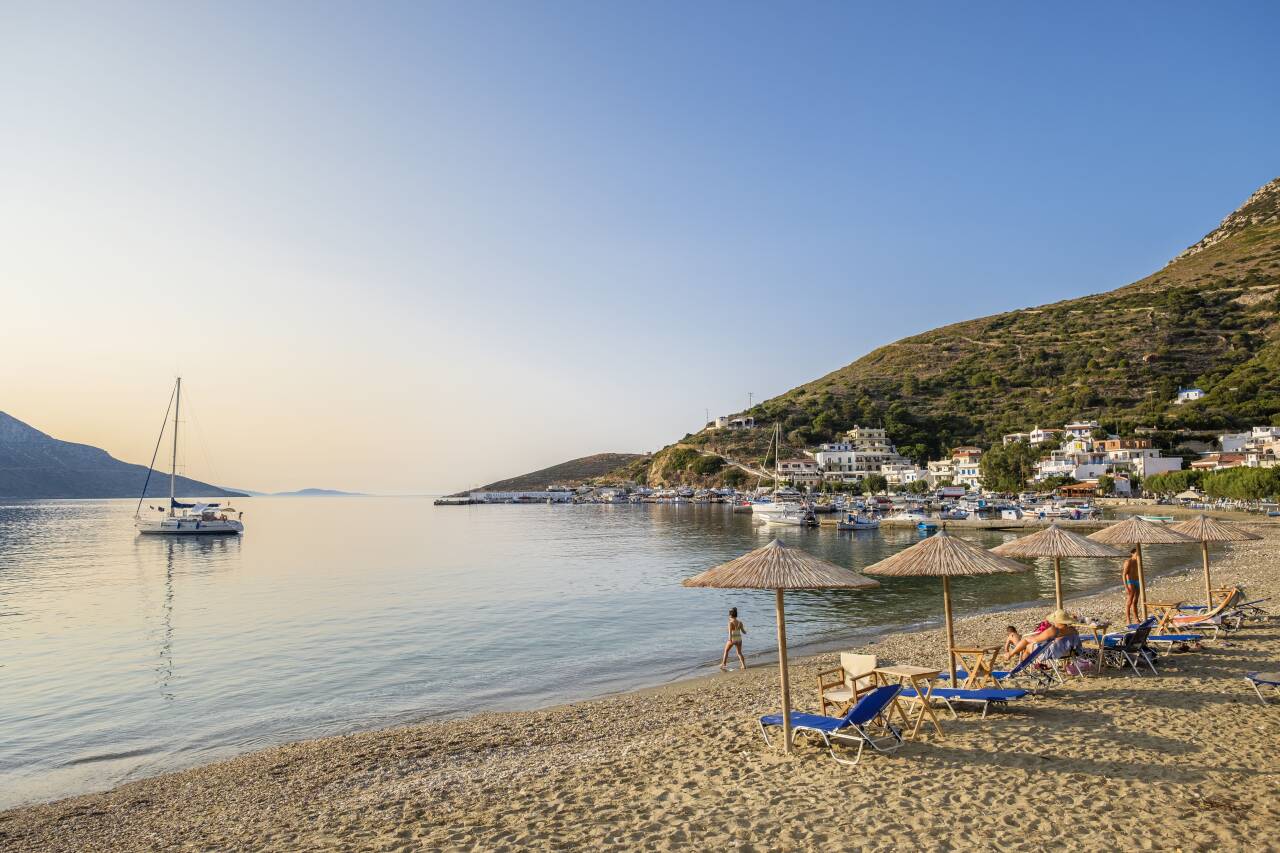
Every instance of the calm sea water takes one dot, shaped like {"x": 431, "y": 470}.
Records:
{"x": 125, "y": 656}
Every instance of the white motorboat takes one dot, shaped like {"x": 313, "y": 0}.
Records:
{"x": 795, "y": 515}
{"x": 183, "y": 519}
{"x": 912, "y": 515}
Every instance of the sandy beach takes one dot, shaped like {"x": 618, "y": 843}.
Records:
{"x": 1180, "y": 761}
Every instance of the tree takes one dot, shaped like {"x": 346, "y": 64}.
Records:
{"x": 876, "y": 483}
{"x": 918, "y": 487}
{"x": 1008, "y": 467}
{"x": 1106, "y": 484}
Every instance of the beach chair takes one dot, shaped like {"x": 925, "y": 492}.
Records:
{"x": 1060, "y": 657}
{"x": 1258, "y": 680}
{"x": 984, "y": 697}
{"x": 1129, "y": 649}
{"x": 1168, "y": 616}
{"x": 1024, "y": 676}
{"x": 868, "y": 713}
{"x": 841, "y": 687}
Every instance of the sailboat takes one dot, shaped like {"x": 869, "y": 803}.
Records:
{"x": 779, "y": 510}
{"x": 182, "y": 519}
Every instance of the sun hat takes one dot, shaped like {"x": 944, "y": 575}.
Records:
{"x": 1059, "y": 617}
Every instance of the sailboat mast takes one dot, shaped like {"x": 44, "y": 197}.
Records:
{"x": 173, "y": 465}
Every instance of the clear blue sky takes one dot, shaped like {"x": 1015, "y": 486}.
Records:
{"x": 455, "y": 241}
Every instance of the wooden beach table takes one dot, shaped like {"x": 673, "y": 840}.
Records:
{"x": 978, "y": 663}
{"x": 1099, "y": 631}
{"x": 920, "y": 679}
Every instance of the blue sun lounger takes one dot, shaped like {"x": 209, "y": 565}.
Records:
{"x": 986, "y": 697}
{"x": 853, "y": 726}
{"x": 1257, "y": 679}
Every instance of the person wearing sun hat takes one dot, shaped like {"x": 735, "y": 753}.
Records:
{"x": 1060, "y": 624}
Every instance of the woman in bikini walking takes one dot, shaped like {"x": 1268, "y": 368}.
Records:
{"x": 736, "y": 630}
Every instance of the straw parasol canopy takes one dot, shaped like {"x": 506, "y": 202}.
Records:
{"x": 1204, "y": 530}
{"x": 777, "y": 567}
{"x": 944, "y": 556}
{"x": 1055, "y": 542}
{"x": 1138, "y": 531}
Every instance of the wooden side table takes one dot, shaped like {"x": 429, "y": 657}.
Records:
{"x": 920, "y": 679}
{"x": 978, "y": 663}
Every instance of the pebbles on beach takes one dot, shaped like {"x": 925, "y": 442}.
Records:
{"x": 1183, "y": 760}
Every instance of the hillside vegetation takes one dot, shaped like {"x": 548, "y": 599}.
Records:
{"x": 571, "y": 473}
{"x": 1208, "y": 319}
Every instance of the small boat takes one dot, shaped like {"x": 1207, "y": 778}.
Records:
{"x": 796, "y": 517}
{"x": 927, "y": 525}
{"x": 1158, "y": 519}
{"x": 856, "y": 521}
{"x": 908, "y": 515}
{"x": 954, "y": 515}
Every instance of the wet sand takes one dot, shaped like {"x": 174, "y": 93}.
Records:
{"x": 1180, "y": 761}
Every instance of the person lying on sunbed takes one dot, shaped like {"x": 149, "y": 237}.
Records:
{"x": 1059, "y": 626}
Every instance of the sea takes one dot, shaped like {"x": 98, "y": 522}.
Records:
{"x": 124, "y": 656}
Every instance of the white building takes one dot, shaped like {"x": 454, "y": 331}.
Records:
{"x": 1015, "y": 437}
{"x": 865, "y": 450}
{"x": 902, "y": 473}
{"x": 939, "y": 470}
{"x": 1187, "y": 395}
{"x": 735, "y": 422}
{"x": 801, "y": 471}
{"x": 1262, "y": 434}
{"x": 967, "y": 462}
{"x": 1040, "y": 436}
{"x": 1081, "y": 429}
{"x": 1234, "y": 442}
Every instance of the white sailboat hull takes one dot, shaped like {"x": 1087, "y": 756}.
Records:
{"x": 189, "y": 526}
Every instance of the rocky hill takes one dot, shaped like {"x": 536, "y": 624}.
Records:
{"x": 571, "y": 473}
{"x": 36, "y": 465}
{"x": 1208, "y": 319}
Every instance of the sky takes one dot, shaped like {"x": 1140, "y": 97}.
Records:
{"x": 415, "y": 247}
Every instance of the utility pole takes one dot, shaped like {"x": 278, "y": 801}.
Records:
{"x": 751, "y": 396}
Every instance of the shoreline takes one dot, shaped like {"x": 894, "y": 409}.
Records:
{"x": 273, "y": 793}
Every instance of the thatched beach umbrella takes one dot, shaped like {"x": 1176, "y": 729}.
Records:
{"x": 1138, "y": 531}
{"x": 777, "y": 567}
{"x": 1055, "y": 542}
{"x": 1204, "y": 530}
{"x": 946, "y": 557}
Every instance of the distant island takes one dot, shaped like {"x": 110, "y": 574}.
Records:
{"x": 318, "y": 493}
{"x": 571, "y": 473}
{"x": 34, "y": 465}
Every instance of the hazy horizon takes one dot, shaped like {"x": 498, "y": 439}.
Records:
{"x": 411, "y": 248}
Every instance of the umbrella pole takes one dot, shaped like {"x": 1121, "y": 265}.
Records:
{"x": 951, "y": 638}
{"x": 1142, "y": 583}
{"x": 1057, "y": 582}
{"x": 1208, "y": 585}
{"x": 782, "y": 667}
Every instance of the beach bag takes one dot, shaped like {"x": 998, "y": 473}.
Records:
{"x": 1079, "y": 667}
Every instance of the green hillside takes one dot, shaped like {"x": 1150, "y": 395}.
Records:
{"x": 1208, "y": 319}
{"x": 571, "y": 473}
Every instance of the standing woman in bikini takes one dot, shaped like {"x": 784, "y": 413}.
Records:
{"x": 1132, "y": 586}
{"x": 736, "y": 630}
